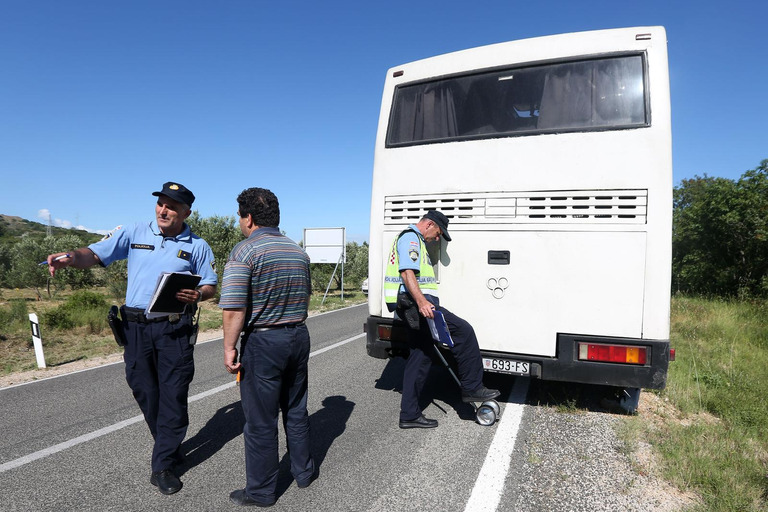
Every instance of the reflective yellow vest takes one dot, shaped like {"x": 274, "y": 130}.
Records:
{"x": 392, "y": 279}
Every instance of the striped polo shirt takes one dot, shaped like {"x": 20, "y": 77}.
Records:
{"x": 268, "y": 274}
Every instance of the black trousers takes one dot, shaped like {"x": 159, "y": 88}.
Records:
{"x": 465, "y": 350}
{"x": 275, "y": 365}
{"x": 159, "y": 366}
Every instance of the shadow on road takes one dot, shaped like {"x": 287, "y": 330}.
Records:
{"x": 326, "y": 425}
{"x": 223, "y": 427}
{"x": 570, "y": 396}
{"x": 438, "y": 388}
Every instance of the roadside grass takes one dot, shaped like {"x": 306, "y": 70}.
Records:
{"x": 334, "y": 301}
{"x": 73, "y": 325}
{"x": 715, "y": 443}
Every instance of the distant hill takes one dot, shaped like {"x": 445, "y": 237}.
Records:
{"x": 12, "y": 228}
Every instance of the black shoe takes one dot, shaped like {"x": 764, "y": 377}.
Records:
{"x": 420, "y": 422}
{"x": 306, "y": 483}
{"x": 239, "y": 497}
{"x": 481, "y": 394}
{"x": 165, "y": 481}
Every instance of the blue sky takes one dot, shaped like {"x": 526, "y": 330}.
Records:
{"x": 103, "y": 101}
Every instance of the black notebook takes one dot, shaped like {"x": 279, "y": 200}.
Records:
{"x": 164, "y": 301}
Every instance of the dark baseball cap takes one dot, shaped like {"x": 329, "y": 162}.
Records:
{"x": 441, "y": 221}
{"x": 177, "y": 192}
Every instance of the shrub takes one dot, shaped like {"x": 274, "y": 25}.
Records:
{"x": 85, "y": 299}
{"x": 15, "y": 316}
{"x": 82, "y": 308}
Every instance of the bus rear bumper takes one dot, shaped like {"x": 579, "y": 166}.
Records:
{"x": 565, "y": 366}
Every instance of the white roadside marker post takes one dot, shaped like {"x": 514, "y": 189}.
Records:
{"x": 37, "y": 341}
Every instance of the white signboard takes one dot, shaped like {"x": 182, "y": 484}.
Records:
{"x": 326, "y": 245}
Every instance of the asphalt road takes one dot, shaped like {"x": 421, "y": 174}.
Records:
{"x": 78, "y": 442}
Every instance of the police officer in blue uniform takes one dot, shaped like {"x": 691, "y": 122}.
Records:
{"x": 159, "y": 363}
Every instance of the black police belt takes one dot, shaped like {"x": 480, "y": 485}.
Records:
{"x": 281, "y": 326}
{"x": 137, "y": 315}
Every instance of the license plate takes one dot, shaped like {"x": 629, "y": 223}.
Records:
{"x": 494, "y": 364}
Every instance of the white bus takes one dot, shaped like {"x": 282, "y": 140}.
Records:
{"x": 552, "y": 159}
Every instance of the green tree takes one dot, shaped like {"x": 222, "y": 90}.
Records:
{"x": 116, "y": 278}
{"x": 25, "y": 270}
{"x": 5, "y": 265}
{"x": 76, "y": 278}
{"x": 355, "y": 270}
{"x": 720, "y": 234}
{"x": 221, "y": 233}
{"x": 752, "y": 202}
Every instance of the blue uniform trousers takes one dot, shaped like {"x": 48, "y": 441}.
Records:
{"x": 275, "y": 364}
{"x": 466, "y": 351}
{"x": 159, "y": 366}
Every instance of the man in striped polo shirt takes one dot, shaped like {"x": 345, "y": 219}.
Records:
{"x": 265, "y": 293}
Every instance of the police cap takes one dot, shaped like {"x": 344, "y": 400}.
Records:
{"x": 177, "y": 192}
{"x": 441, "y": 221}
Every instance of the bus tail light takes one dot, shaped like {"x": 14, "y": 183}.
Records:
{"x": 627, "y": 354}
{"x": 385, "y": 332}
{"x": 671, "y": 354}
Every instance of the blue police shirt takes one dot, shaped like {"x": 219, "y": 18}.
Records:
{"x": 150, "y": 254}
{"x": 408, "y": 255}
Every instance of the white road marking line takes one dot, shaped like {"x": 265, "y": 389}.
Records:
{"x": 68, "y": 444}
{"x": 7, "y": 466}
{"x": 489, "y": 485}
{"x": 335, "y": 345}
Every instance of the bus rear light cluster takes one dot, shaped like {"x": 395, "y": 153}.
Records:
{"x": 626, "y": 354}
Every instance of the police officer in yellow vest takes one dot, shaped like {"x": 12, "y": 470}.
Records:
{"x": 410, "y": 290}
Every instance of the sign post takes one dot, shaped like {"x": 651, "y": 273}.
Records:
{"x": 327, "y": 245}
{"x": 37, "y": 341}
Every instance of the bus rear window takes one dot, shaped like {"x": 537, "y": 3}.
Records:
{"x": 606, "y": 93}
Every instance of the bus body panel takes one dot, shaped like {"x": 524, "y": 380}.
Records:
{"x": 595, "y": 286}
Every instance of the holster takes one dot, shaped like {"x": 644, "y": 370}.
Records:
{"x": 408, "y": 310}
{"x": 194, "y": 327}
{"x": 113, "y": 318}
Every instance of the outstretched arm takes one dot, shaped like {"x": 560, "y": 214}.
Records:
{"x": 78, "y": 258}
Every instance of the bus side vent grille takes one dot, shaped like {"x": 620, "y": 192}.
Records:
{"x": 563, "y": 207}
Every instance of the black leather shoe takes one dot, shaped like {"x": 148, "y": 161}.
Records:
{"x": 481, "y": 394}
{"x": 239, "y": 497}
{"x": 165, "y": 481}
{"x": 420, "y": 422}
